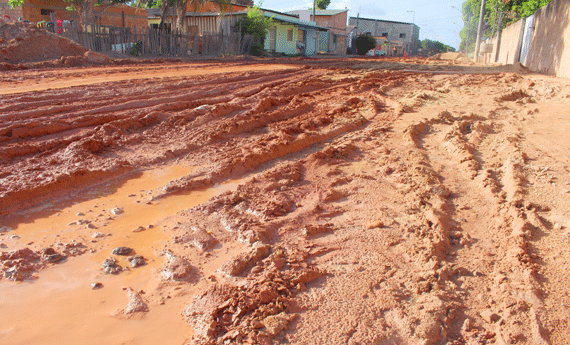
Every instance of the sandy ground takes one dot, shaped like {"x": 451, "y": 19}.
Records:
{"x": 297, "y": 201}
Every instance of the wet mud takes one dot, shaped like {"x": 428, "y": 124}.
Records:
{"x": 301, "y": 205}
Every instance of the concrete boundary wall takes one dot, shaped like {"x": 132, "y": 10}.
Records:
{"x": 511, "y": 43}
{"x": 549, "y": 50}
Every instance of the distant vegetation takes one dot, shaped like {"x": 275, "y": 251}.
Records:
{"x": 435, "y": 47}
{"x": 323, "y": 4}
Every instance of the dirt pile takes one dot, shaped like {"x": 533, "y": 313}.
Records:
{"x": 453, "y": 56}
{"x": 23, "y": 42}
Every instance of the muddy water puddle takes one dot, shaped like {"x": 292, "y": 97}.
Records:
{"x": 60, "y": 306}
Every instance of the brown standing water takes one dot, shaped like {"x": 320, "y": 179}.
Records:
{"x": 60, "y": 306}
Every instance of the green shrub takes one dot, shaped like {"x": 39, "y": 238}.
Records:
{"x": 364, "y": 43}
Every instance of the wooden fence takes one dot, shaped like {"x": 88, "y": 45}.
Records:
{"x": 155, "y": 42}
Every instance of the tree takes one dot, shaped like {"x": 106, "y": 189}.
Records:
{"x": 498, "y": 14}
{"x": 364, "y": 43}
{"x": 255, "y": 23}
{"x": 323, "y": 4}
{"x": 435, "y": 47}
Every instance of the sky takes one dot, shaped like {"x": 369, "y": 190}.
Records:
{"x": 438, "y": 19}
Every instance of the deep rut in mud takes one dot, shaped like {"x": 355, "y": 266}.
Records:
{"x": 373, "y": 207}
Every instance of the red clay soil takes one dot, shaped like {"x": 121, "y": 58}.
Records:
{"x": 374, "y": 206}
{"x": 23, "y": 42}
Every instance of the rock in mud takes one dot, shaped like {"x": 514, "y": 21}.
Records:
{"x": 489, "y": 316}
{"x": 136, "y": 260}
{"x": 19, "y": 264}
{"x": 5, "y": 229}
{"x": 51, "y": 256}
{"x": 274, "y": 324}
{"x": 236, "y": 265}
{"x": 97, "y": 58}
{"x": 73, "y": 249}
{"x": 122, "y": 251}
{"x": 117, "y": 211}
{"x": 314, "y": 230}
{"x": 139, "y": 229}
{"x": 199, "y": 238}
{"x": 136, "y": 305}
{"x": 177, "y": 269}
{"x": 96, "y": 286}
{"x": 110, "y": 266}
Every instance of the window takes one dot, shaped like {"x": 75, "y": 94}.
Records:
{"x": 384, "y": 34}
{"x": 290, "y": 35}
{"x": 45, "y": 12}
{"x": 402, "y": 35}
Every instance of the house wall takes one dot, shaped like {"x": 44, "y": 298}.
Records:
{"x": 5, "y": 9}
{"x": 113, "y": 16}
{"x": 210, "y": 6}
{"x": 282, "y": 45}
{"x": 549, "y": 50}
{"x": 340, "y": 47}
{"x": 393, "y": 29}
{"x": 336, "y": 23}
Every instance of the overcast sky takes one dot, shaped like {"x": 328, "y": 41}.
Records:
{"x": 437, "y": 19}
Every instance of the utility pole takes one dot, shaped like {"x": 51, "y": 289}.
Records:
{"x": 314, "y": 10}
{"x": 478, "y": 41}
{"x": 316, "y": 30}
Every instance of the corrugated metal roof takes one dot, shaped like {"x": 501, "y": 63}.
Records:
{"x": 319, "y": 12}
{"x": 295, "y": 21}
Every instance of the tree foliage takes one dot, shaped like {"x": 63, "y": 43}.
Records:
{"x": 435, "y": 47}
{"x": 497, "y": 15}
{"x": 322, "y": 4}
{"x": 255, "y": 23}
{"x": 364, "y": 43}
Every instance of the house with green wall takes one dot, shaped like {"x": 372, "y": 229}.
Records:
{"x": 289, "y": 35}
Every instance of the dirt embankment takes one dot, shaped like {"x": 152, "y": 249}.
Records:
{"x": 373, "y": 206}
{"x": 22, "y": 43}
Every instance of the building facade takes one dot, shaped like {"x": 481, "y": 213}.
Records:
{"x": 42, "y": 10}
{"x": 334, "y": 40}
{"x": 405, "y": 37}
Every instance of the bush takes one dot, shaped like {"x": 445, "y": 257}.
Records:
{"x": 257, "y": 25}
{"x": 364, "y": 43}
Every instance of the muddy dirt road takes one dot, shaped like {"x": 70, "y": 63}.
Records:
{"x": 297, "y": 201}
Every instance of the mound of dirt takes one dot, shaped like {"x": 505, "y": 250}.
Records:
{"x": 23, "y": 42}
{"x": 452, "y": 56}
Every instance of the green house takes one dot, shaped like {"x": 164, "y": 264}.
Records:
{"x": 289, "y": 35}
